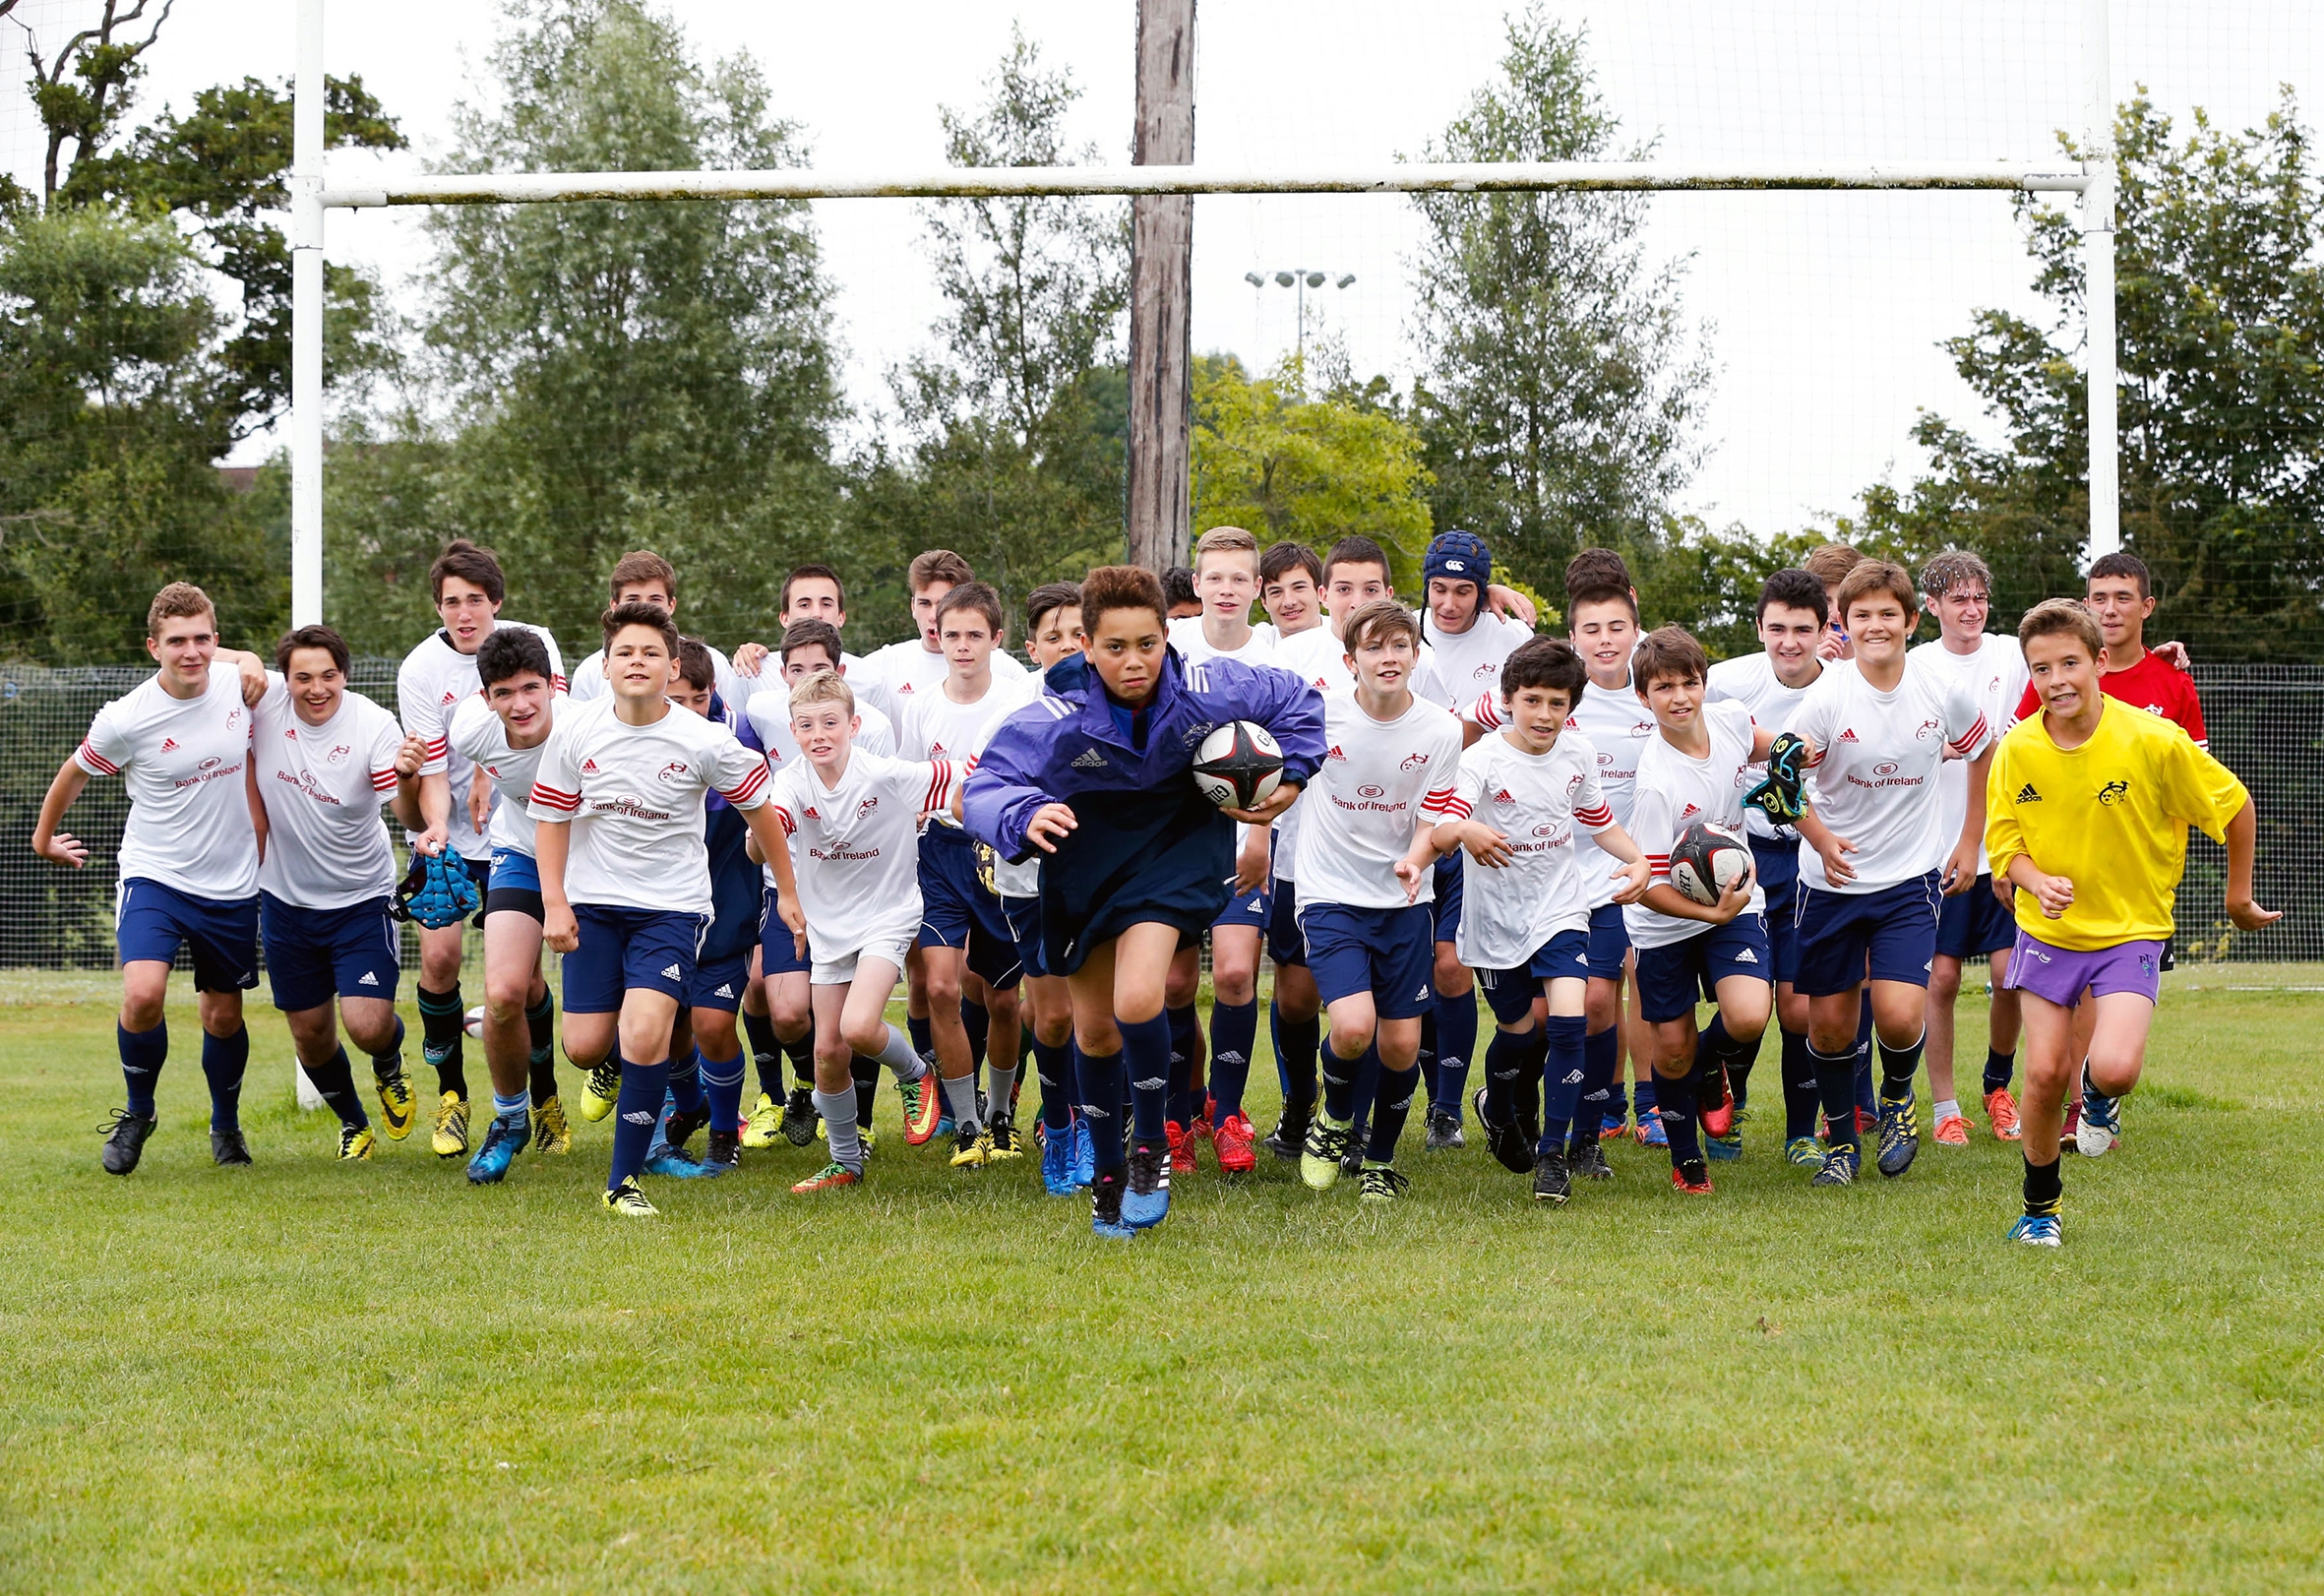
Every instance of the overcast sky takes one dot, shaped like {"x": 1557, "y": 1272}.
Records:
{"x": 1822, "y": 312}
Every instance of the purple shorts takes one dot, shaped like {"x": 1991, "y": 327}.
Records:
{"x": 2061, "y": 975}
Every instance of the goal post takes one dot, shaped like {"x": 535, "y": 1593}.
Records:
{"x": 312, "y": 196}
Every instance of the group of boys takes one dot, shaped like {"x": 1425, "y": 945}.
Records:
{"x": 763, "y": 847}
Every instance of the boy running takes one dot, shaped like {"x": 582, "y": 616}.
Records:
{"x": 189, "y": 859}
{"x": 2092, "y": 804}
{"x": 435, "y": 678}
{"x": 325, "y": 760}
{"x": 1525, "y": 928}
{"x": 624, "y": 873}
{"x": 1367, "y": 864}
{"x": 1874, "y": 858}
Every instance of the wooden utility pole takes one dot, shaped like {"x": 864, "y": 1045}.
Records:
{"x": 1161, "y": 290}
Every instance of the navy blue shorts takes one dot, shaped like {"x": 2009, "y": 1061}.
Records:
{"x": 1452, "y": 883}
{"x": 314, "y": 954}
{"x": 1254, "y": 908}
{"x": 1783, "y": 930}
{"x": 1610, "y": 943}
{"x": 514, "y": 884}
{"x": 955, "y": 897}
{"x": 776, "y": 953}
{"x": 1023, "y": 915}
{"x": 1390, "y": 953}
{"x": 1894, "y": 927}
{"x": 152, "y": 921}
{"x": 1974, "y": 922}
{"x": 624, "y": 950}
{"x": 717, "y": 983}
{"x": 1510, "y": 993}
{"x": 1286, "y": 945}
{"x": 1672, "y": 978}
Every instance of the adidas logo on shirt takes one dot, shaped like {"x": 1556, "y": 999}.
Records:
{"x": 169, "y": 743}
{"x": 588, "y": 767}
{"x": 1335, "y": 754}
{"x": 369, "y": 979}
{"x": 1504, "y": 797}
{"x": 1847, "y": 736}
{"x": 1089, "y": 759}
{"x": 2027, "y": 795}
{"x": 669, "y": 973}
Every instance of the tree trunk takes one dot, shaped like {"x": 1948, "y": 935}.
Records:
{"x": 1161, "y": 290}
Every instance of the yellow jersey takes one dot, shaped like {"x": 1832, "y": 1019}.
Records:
{"x": 2112, "y": 817}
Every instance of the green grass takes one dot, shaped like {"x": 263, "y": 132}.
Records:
{"x": 306, "y": 1377}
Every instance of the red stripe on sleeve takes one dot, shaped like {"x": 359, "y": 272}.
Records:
{"x": 790, "y": 825}
{"x": 1596, "y": 819}
{"x": 745, "y": 788}
{"x": 90, "y": 756}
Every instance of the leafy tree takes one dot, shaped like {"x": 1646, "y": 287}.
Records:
{"x": 624, "y": 374}
{"x": 1013, "y": 429}
{"x": 2220, "y": 297}
{"x": 1344, "y": 463}
{"x": 1559, "y": 382}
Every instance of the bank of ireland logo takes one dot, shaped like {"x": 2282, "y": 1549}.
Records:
{"x": 1885, "y": 768}
{"x": 1368, "y": 791}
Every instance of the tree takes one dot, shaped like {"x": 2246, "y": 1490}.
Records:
{"x": 1013, "y": 428}
{"x": 1284, "y": 465}
{"x": 1559, "y": 380}
{"x": 2220, "y": 297}
{"x": 626, "y": 374}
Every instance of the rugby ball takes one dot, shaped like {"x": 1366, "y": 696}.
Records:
{"x": 1238, "y": 765}
{"x": 1706, "y": 860}
{"x": 473, "y": 1024}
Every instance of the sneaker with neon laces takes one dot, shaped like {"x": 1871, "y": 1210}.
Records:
{"x": 833, "y": 1176}
{"x": 1650, "y": 1130}
{"x": 1085, "y": 1154}
{"x": 396, "y": 1108}
{"x": 1325, "y": 1152}
{"x": 764, "y": 1122}
{"x": 921, "y": 1111}
{"x": 1586, "y": 1161}
{"x": 125, "y": 1140}
{"x": 451, "y": 1137}
{"x": 601, "y": 1091}
{"x": 228, "y": 1149}
{"x": 1804, "y": 1152}
{"x": 355, "y": 1142}
{"x": 1724, "y": 1149}
{"x": 550, "y": 1133}
{"x": 2001, "y": 1114}
{"x": 1002, "y": 1142}
{"x": 972, "y": 1147}
{"x": 1105, "y": 1208}
{"x": 1235, "y": 1144}
{"x": 2101, "y": 1129}
{"x": 1147, "y": 1203}
{"x": 1182, "y": 1148}
{"x": 1057, "y": 1164}
{"x": 1552, "y": 1182}
{"x": 1951, "y": 1131}
{"x": 504, "y": 1138}
{"x": 629, "y": 1201}
{"x": 1381, "y": 1182}
{"x": 2037, "y": 1230}
{"x": 1692, "y": 1178}
{"x": 1838, "y": 1168}
{"x": 1900, "y": 1136}
{"x": 801, "y": 1123}
{"x": 1504, "y": 1141}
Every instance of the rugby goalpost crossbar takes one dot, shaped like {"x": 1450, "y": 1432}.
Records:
{"x": 312, "y": 196}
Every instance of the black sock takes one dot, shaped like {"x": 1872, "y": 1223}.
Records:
{"x": 1798, "y": 1076}
{"x": 2000, "y": 1068}
{"x": 867, "y": 1087}
{"x": 1504, "y": 1059}
{"x": 1674, "y": 1101}
{"x": 801, "y": 1052}
{"x": 1389, "y": 1109}
{"x": 1898, "y": 1065}
{"x": 977, "y": 1020}
{"x": 540, "y": 1019}
{"x": 1835, "y": 1089}
{"x": 1300, "y": 1041}
{"x": 1427, "y": 1062}
{"x": 334, "y": 1079}
{"x": 443, "y": 1023}
{"x": 759, "y": 1033}
{"x": 388, "y": 1062}
{"x": 2044, "y": 1186}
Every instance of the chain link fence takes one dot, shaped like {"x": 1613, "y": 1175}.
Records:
{"x": 2266, "y": 724}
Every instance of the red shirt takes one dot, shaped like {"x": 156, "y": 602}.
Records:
{"x": 2151, "y": 685}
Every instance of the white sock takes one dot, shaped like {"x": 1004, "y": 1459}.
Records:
{"x": 838, "y": 1112}
{"x": 899, "y": 1056}
{"x": 1949, "y": 1108}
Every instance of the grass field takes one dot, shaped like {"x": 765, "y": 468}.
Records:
{"x": 304, "y": 1378}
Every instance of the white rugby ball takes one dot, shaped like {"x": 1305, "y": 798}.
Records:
{"x": 1238, "y": 765}
{"x": 474, "y": 1023}
{"x": 1708, "y": 859}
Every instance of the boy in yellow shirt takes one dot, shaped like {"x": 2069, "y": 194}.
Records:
{"x": 2087, "y": 814}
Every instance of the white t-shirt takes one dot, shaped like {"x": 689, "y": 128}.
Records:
{"x": 1534, "y": 800}
{"x": 1995, "y": 676}
{"x": 769, "y": 716}
{"x": 1322, "y": 659}
{"x": 327, "y": 846}
{"x": 895, "y": 675}
{"x": 482, "y": 738}
{"x": 1469, "y": 662}
{"x": 634, "y": 797}
{"x": 1674, "y": 791}
{"x": 182, "y": 761}
{"x": 1877, "y": 755}
{"x": 1617, "y": 724}
{"x": 588, "y": 679}
{"x": 1751, "y": 681}
{"x": 855, "y": 848}
{"x": 434, "y": 678}
{"x": 1185, "y": 636}
{"x": 1380, "y": 781}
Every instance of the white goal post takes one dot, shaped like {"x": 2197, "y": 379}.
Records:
{"x": 312, "y": 196}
